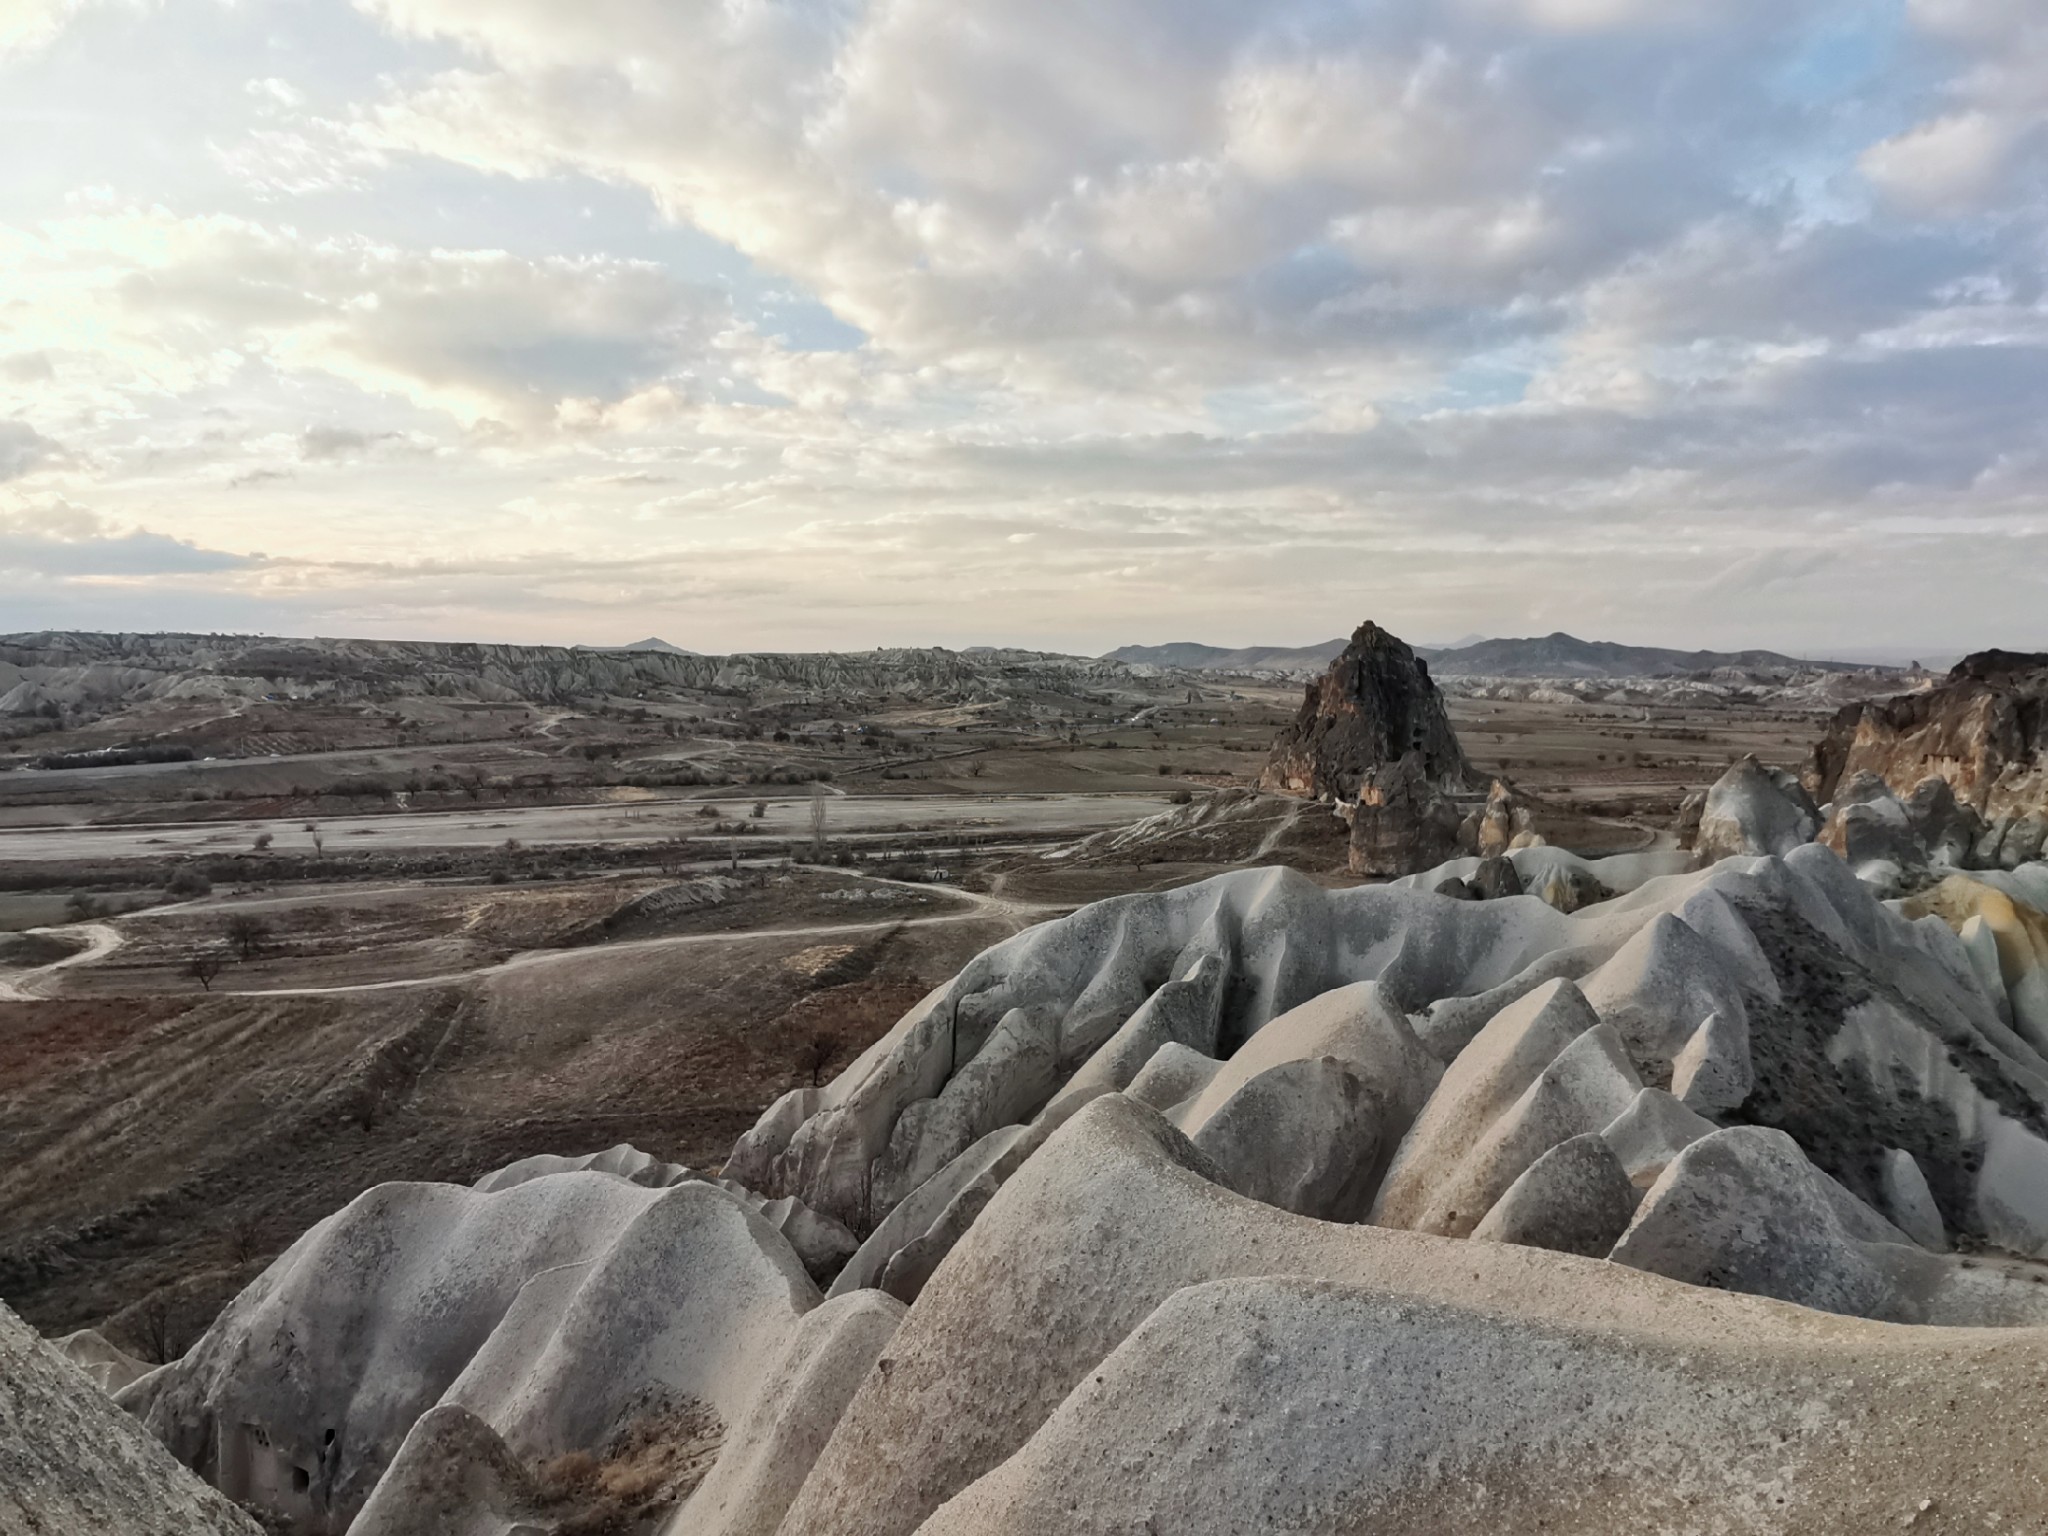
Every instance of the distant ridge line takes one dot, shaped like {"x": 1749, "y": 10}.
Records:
{"x": 1553, "y": 655}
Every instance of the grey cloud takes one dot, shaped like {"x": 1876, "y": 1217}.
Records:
{"x": 317, "y": 443}
{"x": 135, "y": 553}
{"x": 23, "y": 450}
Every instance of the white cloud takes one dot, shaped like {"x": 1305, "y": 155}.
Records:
{"x": 1044, "y": 321}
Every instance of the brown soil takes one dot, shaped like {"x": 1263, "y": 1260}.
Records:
{"x": 152, "y": 1140}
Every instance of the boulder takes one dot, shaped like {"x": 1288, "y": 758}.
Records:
{"x": 1496, "y": 877}
{"x": 1752, "y": 809}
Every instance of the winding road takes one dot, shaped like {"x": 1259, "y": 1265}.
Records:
{"x": 101, "y": 940}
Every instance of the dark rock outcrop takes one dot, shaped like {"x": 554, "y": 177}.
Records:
{"x": 1374, "y": 707}
{"x": 1984, "y": 729}
{"x": 1401, "y": 821}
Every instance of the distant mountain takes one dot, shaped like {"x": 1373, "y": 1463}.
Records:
{"x": 1558, "y": 655}
{"x": 1188, "y": 656}
{"x": 651, "y": 643}
{"x": 1562, "y": 655}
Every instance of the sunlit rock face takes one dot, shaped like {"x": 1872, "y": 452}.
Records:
{"x": 1984, "y": 729}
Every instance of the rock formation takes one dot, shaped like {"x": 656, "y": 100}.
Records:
{"x": 1753, "y": 809}
{"x": 1984, "y": 729}
{"x": 1372, "y": 708}
{"x": 71, "y": 1462}
{"x": 563, "y": 1313}
{"x": 1254, "y": 1204}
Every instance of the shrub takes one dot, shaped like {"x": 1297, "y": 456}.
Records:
{"x": 188, "y": 880}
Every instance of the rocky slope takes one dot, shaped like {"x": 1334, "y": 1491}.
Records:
{"x": 70, "y": 1461}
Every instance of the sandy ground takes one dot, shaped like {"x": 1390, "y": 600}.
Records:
{"x": 847, "y": 815}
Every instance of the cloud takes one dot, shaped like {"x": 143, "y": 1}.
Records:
{"x": 1063, "y": 318}
{"x": 67, "y": 542}
{"x": 316, "y": 443}
{"x": 23, "y": 450}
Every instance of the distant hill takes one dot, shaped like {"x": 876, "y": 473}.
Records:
{"x": 1191, "y": 657}
{"x": 651, "y": 643}
{"x": 1563, "y": 655}
{"x": 1558, "y": 655}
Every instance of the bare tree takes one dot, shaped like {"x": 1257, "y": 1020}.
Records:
{"x": 814, "y": 1054}
{"x": 248, "y": 934}
{"x": 203, "y": 967}
{"x": 245, "y": 1238}
{"x": 153, "y": 1329}
{"x": 817, "y": 821}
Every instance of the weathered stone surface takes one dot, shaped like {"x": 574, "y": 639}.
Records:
{"x": 1743, "y": 1209}
{"x": 110, "y": 1367}
{"x": 556, "y": 1311}
{"x": 72, "y": 1464}
{"x": 453, "y": 1476}
{"x": 1251, "y": 1370}
{"x": 1752, "y": 809}
{"x": 1575, "y": 1198}
{"x": 1653, "y": 1130}
{"x": 1909, "y": 1203}
{"x": 803, "y": 1392}
{"x": 1374, "y": 706}
{"x": 821, "y": 1242}
{"x": 1401, "y": 822}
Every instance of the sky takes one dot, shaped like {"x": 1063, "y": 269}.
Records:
{"x": 811, "y": 324}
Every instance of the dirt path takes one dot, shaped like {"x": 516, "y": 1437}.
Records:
{"x": 101, "y": 940}
{"x": 1280, "y": 829}
{"x": 976, "y": 908}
